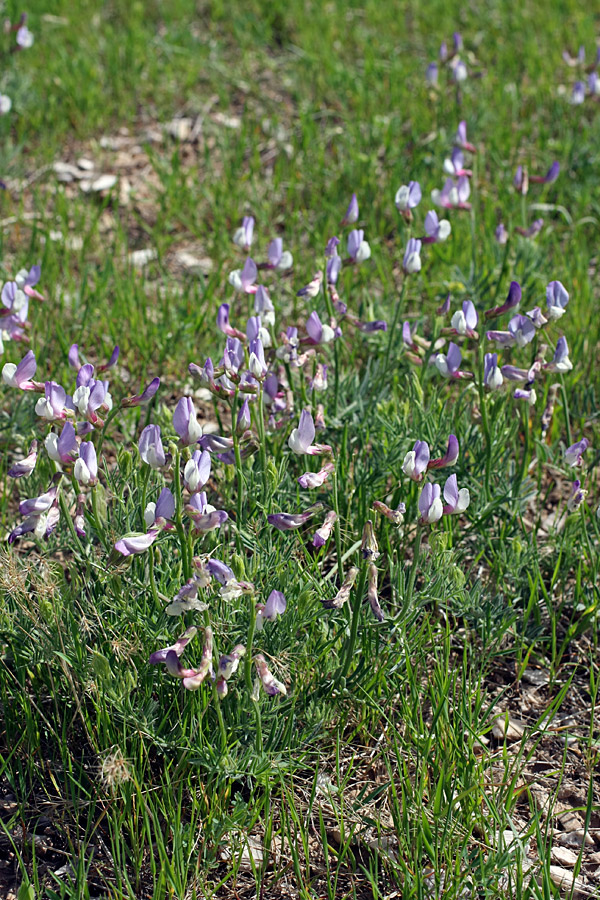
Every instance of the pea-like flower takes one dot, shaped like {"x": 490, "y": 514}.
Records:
{"x": 301, "y": 439}
{"x": 373, "y": 595}
{"x": 560, "y": 361}
{"x": 343, "y": 594}
{"x": 274, "y": 607}
{"x": 464, "y": 322}
{"x": 460, "y": 138}
{"x": 369, "y": 549}
{"x": 197, "y": 471}
{"x": 416, "y": 461}
{"x": 430, "y": 504}
{"x": 512, "y": 301}
{"x": 351, "y": 214}
{"x": 25, "y": 466}
{"x": 448, "y": 364}
{"x": 455, "y": 164}
{"x": 359, "y": 250}
{"x": 204, "y": 516}
{"x": 62, "y": 448}
{"x": 160, "y": 514}
{"x": 322, "y": 534}
{"x": 136, "y": 542}
{"x": 411, "y": 262}
{"x": 151, "y": 447}
{"x": 576, "y": 497}
{"x": 52, "y": 405}
{"x": 85, "y": 469}
{"x": 550, "y": 176}
{"x": 492, "y": 374}
{"x": 243, "y": 235}
{"x": 270, "y": 684}
{"x": 395, "y": 516}
{"x": 450, "y": 456}
{"x": 20, "y": 376}
{"x": 144, "y": 397}
{"x": 313, "y": 287}
{"x": 224, "y": 325}
{"x": 557, "y": 298}
{"x": 408, "y": 196}
{"x": 456, "y": 500}
{"x": 453, "y": 195}
{"x": 311, "y": 480}
{"x": 263, "y": 306}
{"x": 278, "y": 258}
{"x": 574, "y": 453}
{"x": 291, "y": 521}
{"x": 244, "y": 280}
{"x": 436, "y": 230}
{"x": 185, "y": 422}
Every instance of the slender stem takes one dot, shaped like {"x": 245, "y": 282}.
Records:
{"x": 262, "y": 444}
{"x": 337, "y": 527}
{"x": 112, "y": 414}
{"x": 185, "y": 559}
{"x": 65, "y": 512}
{"x": 336, "y": 367}
{"x": 249, "y": 642}
{"x": 238, "y": 464}
{"x": 153, "y": 590}
{"x": 358, "y": 600}
{"x": 566, "y": 411}
{"x": 394, "y": 326}
{"x": 415, "y": 563}
{"x": 483, "y": 401}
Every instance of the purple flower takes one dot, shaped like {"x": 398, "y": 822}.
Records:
{"x": 185, "y": 422}
{"x": 24, "y": 38}
{"x": 220, "y": 571}
{"x": 229, "y": 662}
{"x": 318, "y": 332}
{"x": 492, "y": 374}
{"x": 557, "y": 298}
{"x": 311, "y": 289}
{"x": 444, "y": 309}
{"x": 322, "y": 534}
{"x": 560, "y": 362}
{"x": 430, "y": 504}
{"x": 223, "y": 322}
{"x": 460, "y": 138}
{"x": 243, "y": 235}
{"x": 25, "y": 467}
{"x": 373, "y": 596}
{"x": 85, "y": 469}
{"x": 527, "y": 394}
{"x": 160, "y": 514}
{"x": 450, "y": 456}
{"x": 159, "y": 656}
{"x": 521, "y": 180}
{"x": 456, "y": 500}
{"x": 275, "y": 606}
{"x": 147, "y": 394}
{"x": 416, "y": 461}
{"x": 351, "y": 215}
{"x": 257, "y": 364}
{"x": 38, "y": 505}
{"x": 408, "y": 196}
{"x": 20, "y": 375}
{"x": 550, "y": 176}
{"x": 41, "y": 524}
{"x": 151, "y": 447}
{"x": 522, "y": 330}
{"x": 369, "y": 549}
{"x": 501, "y": 234}
{"x": 62, "y": 448}
{"x": 536, "y": 316}
{"x": 244, "y": 280}
{"x": 197, "y": 471}
{"x": 453, "y": 195}
{"x": 448, "y": 364}
{"x": 574, "y": 453}
{"x": 312, "y": 480}
{"x": 334, "y": 261}
{"x": 455, "y": 164}
{"x": 578, "y": 95}
{"x": 263, "y": 306}
{"x": 431, "y": 74}
{"x": 436, "y": 230}
{"x": 395, "y": 516}
{"x": 464, "y": 322}
{"x": 135, "y": 542}
{"x": 458, "y": 70}
{"x": 278, "y": 257}
{"x": 270, "y": 684}
{"x": 290, "y": 521}
{"x": 412, "y": 257}
{"x": 204, "y": 516}
{"x": 233, "y": 356}
{"x": 358, "y": 249}
{"x": 343, "y": 594}
{"x": 533, "y": 230}
{"x": 576, "y": 497}
{"x": 301, "y": 439}
{"x": 52, "y": 405}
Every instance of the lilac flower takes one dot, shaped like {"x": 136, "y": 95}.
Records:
{"x": 146, "y": 395}
{"x": 90, "y": 394}
{"x": 151, "y": 447}
{"x": 228, "y": 666}
{"x": 270, "y": 684}
{"x": 79, "y": 519}
{"x": 512, "y": 300}
{"x": 243, "y": 419}
{"x": 373, "y": 596}
{"x": 301, "y": 439}
{"x": 135, "y": 542}
{"x": 20, "y": 375}
{"x": 369, "y": 549}
{"x": 197, "y": 471}
{"x": 312, "y": 480}
{"x": 416, "y": 461}
{"x": 550, "y": 176}
{"x": 244, "y": 280}
{"x": 220, "y": 570}
{"x": 460, "y": 138}
{"x": 456, "y": 500}
{"x": 351, "y": 215}
{"x": 533, "y": 230}
{"x": 574, "y": 453}
{"x": 560, "y": 362}
{"x": 243, "y": 236}
{"x": 215, "y": 443}
{"x": 343, "y": 594}
{"x": 458, "y": 70}
{"x": 311, "y": 289}
{"x": 521, "y": 180}
{"x": 501, "y": 234}
{"x": 275, "y": 606}
{"x": 492, "y": 374}
{"x": 522, "y": 330}
{"x": 458, "y": 41}
{"x": 430, "y": 504}
{"x": 322, "y": 534}
{"x": 42, "y": 525}
{"x": 114, "y": 356}
{"x": 25, "y": 467}
{"x": 576, "y": 497}
{"x": 594, "y": 84}
{"x": 319, "y": 381}
{"x": 464, "y": 322}
{"x": 412, "y": 257}
{"x": 223, "y": 322}
{"x": 62, "y": 448}
{"x": 85, "y": 469}
{"x": 278, "y": 257}
{"x": 395, "y": 516}
{"x": 450, "y": 456}
{"x": 256, "y": 361}
{"x": 557, "y": 298}
{"x": 527, "y": 394}
{"x": 291, "y": 521}
{"x": 204, "y": 516}
{"x": 24, "y": 38}
{"x": 334, "y": 261}
{"x": 185, "y": 422}
{"x": 453, "y": 196}
{"x": 358, "y": 249}
{"x": 52, "y": 405}
{"x": 448, "y": 364}
{"x": 370, "y": 327}
{"x": 263, "y": 306}
{"x": 578, "y": 95}
{"x": 193, "y": 678}
{"x": 160, "y": 514}
{"x": 437, "y": 230}
{"x": 455, "y": 164}
{"x": 38, "y": 505}
{"x": 444, "y": 309}
{"x": 233, "y": 356}
{"x": 513, "y": 373}
{"x": 408, "y": 196}
{"x": 537, "y": 317}
{"x": 319, "y": 332}
{"x": 160, "y": 656}
{"x": 431, "y": 74}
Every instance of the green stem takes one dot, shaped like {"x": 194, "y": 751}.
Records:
{"x": 249, "y": 642}
{"x": 155, "y": 597}
{"x": 358, "y": 600}
{"x": 262, "y": 445}
{"x": 185, "y": 559}
{"x": 65, "y": 512}
{"x": 337, "y": 527}
{"x": 112, "y": 414}
{"x": 415, "y": 563}
{"x": 238, "y": 465}
{"x": 566, "y": 410}
{"x": 392, "y": 333}
{"x": 483, "y": 400}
